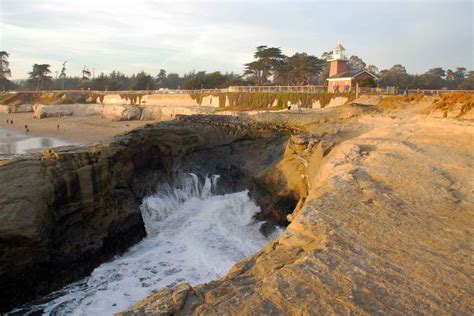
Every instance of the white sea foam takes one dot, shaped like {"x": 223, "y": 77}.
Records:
{"x": 193, "y": 236}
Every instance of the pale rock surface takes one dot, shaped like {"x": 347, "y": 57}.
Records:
{"x": 121, "y": 112}
{"x": 384, "y": 228}
{"x": 316, "y": 104}
{"x": 210, "y": 100}
{"x": 4, "y": 108}
{"x": 337, "y": 101}
{"x": 151, "y": 113}
{"x": 21, "y": 108}
{"x": 43, "y": 111}
{"x": 170, "y": 112}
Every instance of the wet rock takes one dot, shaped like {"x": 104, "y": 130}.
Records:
{"x": 63, "y": 212}
{"x": 267, "y": 229}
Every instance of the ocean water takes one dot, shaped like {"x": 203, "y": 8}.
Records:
{"x": 193, "y": 236}
{"x": 13, "y": 143}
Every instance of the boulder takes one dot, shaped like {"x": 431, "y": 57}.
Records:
{"x": 43, "y": 111}
{"x": 86, "y": 109}
{"x": 22, "y": 108}
{"x": 121, "y": 112}
{"x": 151, "y": 113}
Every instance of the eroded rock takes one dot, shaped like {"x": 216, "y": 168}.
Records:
{"x": 63, "y": 212}
{"x": 385, "y": 228}
{"x": 121, "y": 112}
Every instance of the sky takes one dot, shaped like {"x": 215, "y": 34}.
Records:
{"x": 180, "y": 36}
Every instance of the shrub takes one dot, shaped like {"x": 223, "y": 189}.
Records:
{"x": 448, "y": 101}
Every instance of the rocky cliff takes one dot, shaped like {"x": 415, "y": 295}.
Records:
{"x": 64, "y": 211}
{"x": 379, "y": 205}
{"x": 384, "y": 227}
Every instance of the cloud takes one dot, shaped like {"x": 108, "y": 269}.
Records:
{"x": 181, "y": 36}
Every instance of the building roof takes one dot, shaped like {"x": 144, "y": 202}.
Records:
{"x": 352, "y": 74}
{"x": 339, "y": 46}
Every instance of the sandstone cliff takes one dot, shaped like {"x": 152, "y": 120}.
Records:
{"x": 385, "y": 227}
{"x": 64, "y": 211}
{"x": 379, "y": 204}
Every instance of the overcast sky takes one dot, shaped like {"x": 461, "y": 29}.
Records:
{"x": 179, "y": 36}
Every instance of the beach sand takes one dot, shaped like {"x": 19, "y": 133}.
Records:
{"x": 77, "y": 129}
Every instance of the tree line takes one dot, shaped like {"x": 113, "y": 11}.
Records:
{"x": 269, "y": 67}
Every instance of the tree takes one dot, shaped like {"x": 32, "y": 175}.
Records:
{"x": 117, "y": 81}
{"x": 396, "y": 76}
{"x": 356, "y": 63}
{"x": 85, "y": 74}
{"x": 40, "y": 75}
{"x": 254, "y": 71}
{"x": 99, "y": 83}
{"x": 62, "y": 75}
{"x": 459, "y": 75}
{"x": 213, "y": 80}
{"x": 299, "y": 69}
{"x": 450, "y": 79}
{"x": 173, "y": 81}
{"x": 161, "y": 78}
{"x": 267, "y": 60}
{"x": 432, "y": 79}
{"x": 467, "y": 83}
{"x": 142, "y": 81}
{"x": 326, "y": 56}
{"x": 373, "y": 69}
{"x": 5, "y": 71}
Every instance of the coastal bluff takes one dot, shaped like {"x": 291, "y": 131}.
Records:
{"x": 376, "y": 200}
{"x": 385, "y": 226}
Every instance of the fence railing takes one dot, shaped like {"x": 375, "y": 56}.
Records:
{"x": 269, "y": 89}
{"x": 395, "y": 90}
{"x": 307, "y": 89}
{"x": 161, "y": 91}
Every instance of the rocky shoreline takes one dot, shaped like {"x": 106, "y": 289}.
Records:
{"x": 368, "y": 194}
{"x": 385, "y": 225}
{"x": 64, "y": 211}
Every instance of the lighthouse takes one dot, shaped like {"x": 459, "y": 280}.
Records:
{"x": 338, "y": 61}
{"x": 341, "y": 78}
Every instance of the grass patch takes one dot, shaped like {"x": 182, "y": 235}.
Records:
{"x": 450, "y": 101}
{"x": 263, "y": 100}
{"x": 395, "y": 101}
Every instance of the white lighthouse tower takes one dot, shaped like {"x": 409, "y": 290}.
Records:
{"x": 338, "y": 52}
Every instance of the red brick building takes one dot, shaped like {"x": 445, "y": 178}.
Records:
{"x": 341, "y": 78}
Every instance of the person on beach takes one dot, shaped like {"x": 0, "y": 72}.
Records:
{"x": 8, "y": 121}
{"x": 298, "y": 106}
{"x": 11, "y": 121}
{"x": 58, "y": 127}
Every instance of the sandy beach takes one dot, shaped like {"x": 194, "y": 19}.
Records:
{"x": 85, "y": 129}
